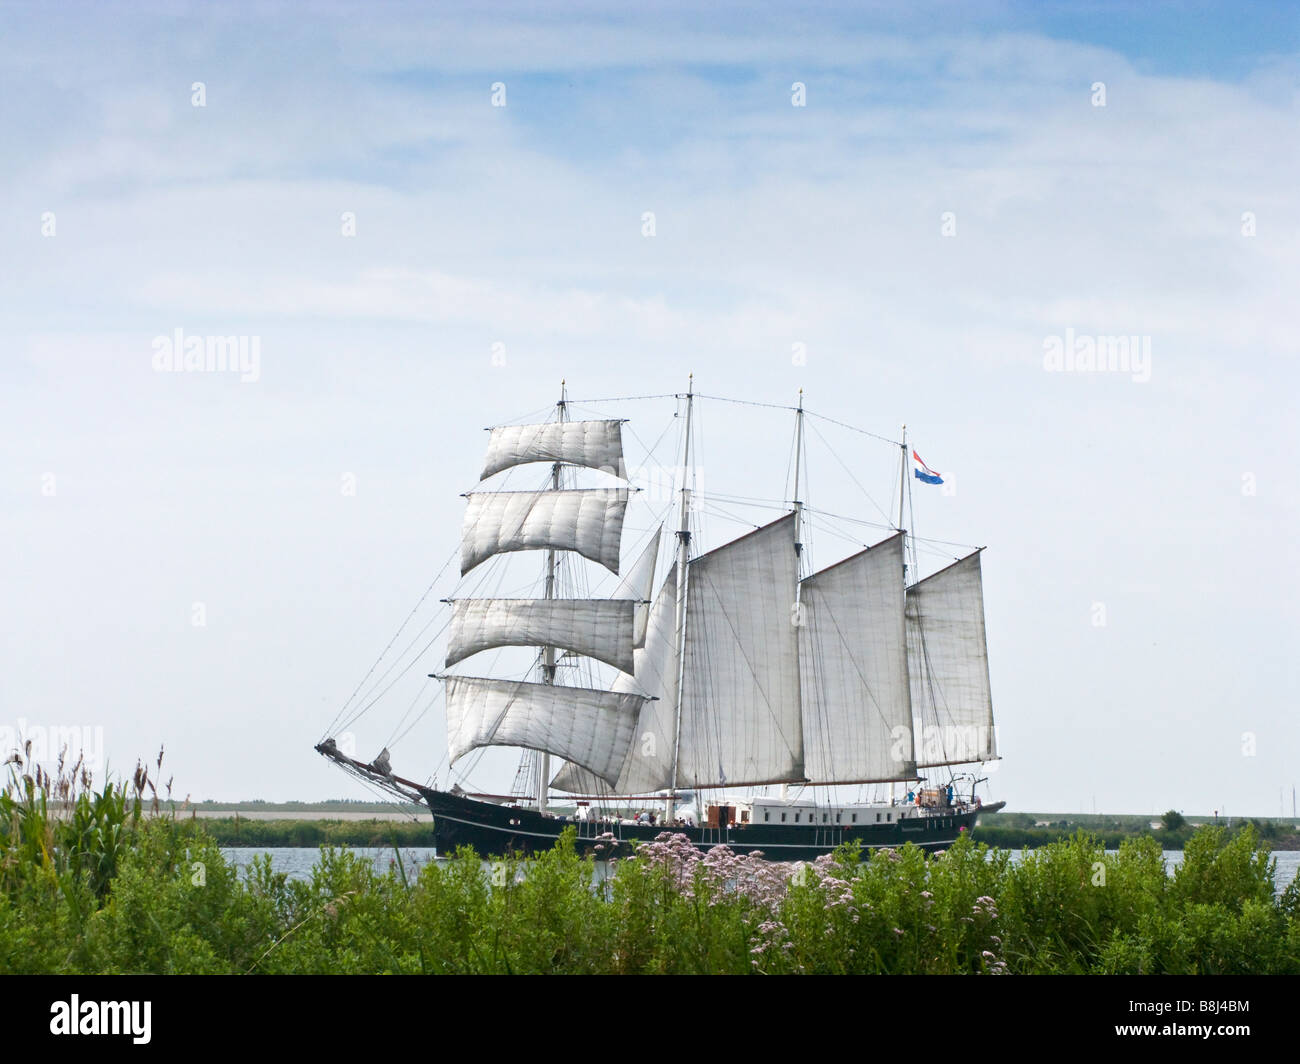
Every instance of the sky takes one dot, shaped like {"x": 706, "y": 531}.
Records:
{"x": 421, "y": 219}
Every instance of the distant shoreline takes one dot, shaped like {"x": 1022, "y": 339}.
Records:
{"x": 309, "y": 816}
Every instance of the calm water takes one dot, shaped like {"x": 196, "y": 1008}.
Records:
{"x": 298, "y": 861}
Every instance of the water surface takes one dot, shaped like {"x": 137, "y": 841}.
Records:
{"x": 297, "y": 861}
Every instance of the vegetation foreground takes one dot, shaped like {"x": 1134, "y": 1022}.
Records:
{"x": 102, "y": 887}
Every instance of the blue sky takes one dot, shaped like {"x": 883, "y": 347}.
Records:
{"x": 1170, "y": 501}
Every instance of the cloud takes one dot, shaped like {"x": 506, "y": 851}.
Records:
{"x": 398, "y": 295}
{"x": 774, "y": 225}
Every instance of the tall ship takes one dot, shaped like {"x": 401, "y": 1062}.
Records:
{"x": 743, "y": 698}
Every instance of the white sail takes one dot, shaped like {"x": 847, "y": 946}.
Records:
{"x": 857, "y": 707}
{"x": 594, "y": 444}
{"x": 604, "y": 629}
{"x": 588, "y": 520}
{"x": 638, "y": 584}
{"x": 592, "y": 729}
{"x": 949, "y": 666}
{"x": 740, "y": 719}
{"x": 647, "y": 766}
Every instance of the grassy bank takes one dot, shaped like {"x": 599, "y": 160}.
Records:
{"x": 1172, "y": 831}
{"x": 261, "y": 807}
{"x": 1005, "y": 837}
{"x": 110, "y": 888}
{"x": 240, "y": 831}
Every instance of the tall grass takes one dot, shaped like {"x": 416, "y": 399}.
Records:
{"x": 90, "y": 884}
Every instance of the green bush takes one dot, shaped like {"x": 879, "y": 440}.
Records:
{"x": 91, "y": 884}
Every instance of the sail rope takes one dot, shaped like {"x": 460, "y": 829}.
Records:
{"x": 912, "y": 539}
{"x": 397, "y": 635}
{"x": 717, "y": 511}
{"x": 793, "y": 409}
{"x": 844, "y": 466}
{"x": 626, "y": 399}
{"x": 338, "y": 722}
{"x": 851, "y": 428}
{"x": 371, "y": 698}
{"x": 392, "y": 737}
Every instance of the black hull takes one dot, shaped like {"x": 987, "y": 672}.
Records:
{"x": 496, "y": 830}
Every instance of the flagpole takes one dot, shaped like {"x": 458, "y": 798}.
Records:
{"x": 902, "y": 479}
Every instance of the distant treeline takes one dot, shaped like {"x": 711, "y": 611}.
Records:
{"x": 1028, "y": 830}
{"x": 271, "y": 834}
{"x": 258, "y": 805}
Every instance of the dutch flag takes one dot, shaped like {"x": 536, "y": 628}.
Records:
{"x": 925, "y": 473}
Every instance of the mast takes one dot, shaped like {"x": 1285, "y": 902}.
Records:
{"x": 902, "y": 495}
{"x": 683, "y": 551}
{"x": 798, "y": 524}
{"x": 902, "y": 479}
{"x": 548, "y": 653}
{"x": 798, "y": 460}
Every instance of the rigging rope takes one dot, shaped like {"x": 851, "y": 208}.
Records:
{"x": 846, "y": 469}
{"x": 335, "y": 723}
